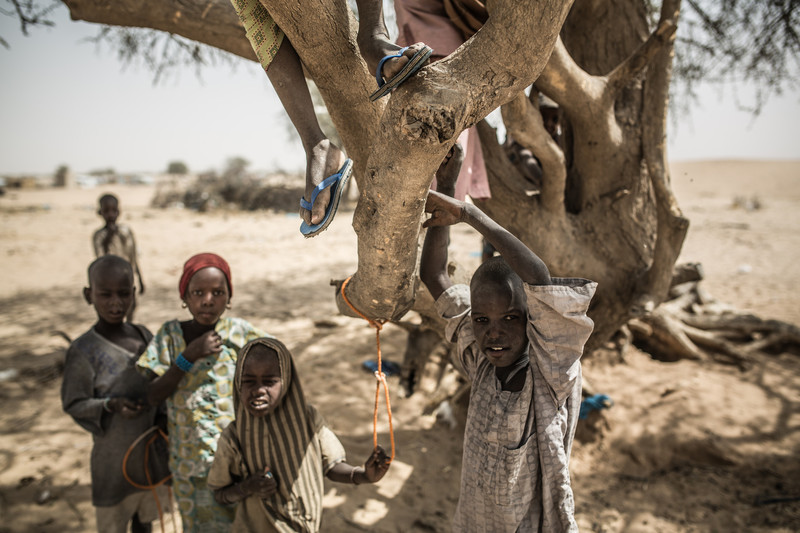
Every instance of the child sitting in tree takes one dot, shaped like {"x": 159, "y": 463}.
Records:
{"x": 272, "y": 458}
{"x": 193, "y": 362}
{"x": 285, "y": 71}
{"x": 520, "y": 335}
{"x": 116, "y": 239}
{"x": 98, "y": 379}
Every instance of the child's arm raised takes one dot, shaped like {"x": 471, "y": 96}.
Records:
{"x": 446, "y": 211}
{"x": 433, "y": 262}
{"x": 163, "y": 386}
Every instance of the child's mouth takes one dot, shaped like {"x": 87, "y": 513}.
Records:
{"x": 495, "y": 351}
{"x": 259, "y": 404}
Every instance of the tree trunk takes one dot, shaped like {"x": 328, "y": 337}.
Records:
{"x": 605, "y": 210}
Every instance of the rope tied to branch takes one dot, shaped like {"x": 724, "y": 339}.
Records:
{"x": 379, "y": 375}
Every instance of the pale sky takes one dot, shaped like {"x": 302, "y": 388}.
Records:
{"x": 66, "y": 102}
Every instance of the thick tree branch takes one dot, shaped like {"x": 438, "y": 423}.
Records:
{"x": 524, "y": 122}
{"x": 662, "y": 38}
{"x": 213, "y": 22}
{"x": 671, "y": 224}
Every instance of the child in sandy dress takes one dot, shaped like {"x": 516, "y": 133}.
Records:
{"x": 520, "y": 334}
{"x": 271, "y": 460}
{"x": 98, "y": 380}
{"x": 192, "y": 363}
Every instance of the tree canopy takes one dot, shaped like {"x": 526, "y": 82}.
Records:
{"x": 604, "y": 209}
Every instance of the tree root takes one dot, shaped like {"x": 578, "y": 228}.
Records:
{"x": 692, "y": 325}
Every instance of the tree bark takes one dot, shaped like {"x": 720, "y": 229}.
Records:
{"x": 605, "y": 210}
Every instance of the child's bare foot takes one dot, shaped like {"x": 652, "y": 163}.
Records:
{"x": 322, "y": 160}
{"x": 447, "y": 173}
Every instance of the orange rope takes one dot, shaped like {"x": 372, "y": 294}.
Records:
{"x": 150, "y": 485}
{"x": 379, "y": 375}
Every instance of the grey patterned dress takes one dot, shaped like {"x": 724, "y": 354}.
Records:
{"x": 515, "y": 470}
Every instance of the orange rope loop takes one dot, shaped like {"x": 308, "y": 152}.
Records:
{"x": 379, "y": 375}
{"x": 150, "y": 485}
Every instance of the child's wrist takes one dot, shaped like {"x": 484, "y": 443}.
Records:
{"x": 183, "y": 363}
{"x": 354, "y": 473}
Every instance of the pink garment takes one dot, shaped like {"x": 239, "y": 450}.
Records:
{"x": 426, "y": 21}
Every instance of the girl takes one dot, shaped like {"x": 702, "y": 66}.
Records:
{"x": 273, "y": 456}
{"x": 193, "y": 362}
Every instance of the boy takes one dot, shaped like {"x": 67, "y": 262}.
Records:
{"x": 98, "y": 380}
{"x": 116, "y": 239}
{"x": 520, "y": 334}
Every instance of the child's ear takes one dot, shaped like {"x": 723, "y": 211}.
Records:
{"x": 87, "y": 295}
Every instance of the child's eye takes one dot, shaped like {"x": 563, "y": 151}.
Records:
{"x": 479, "y": 319}
{"x": 510, "y": 317}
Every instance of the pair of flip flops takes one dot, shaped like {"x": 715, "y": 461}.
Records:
{"x": 337, "y": 183}
{"x": 414, "y": 64}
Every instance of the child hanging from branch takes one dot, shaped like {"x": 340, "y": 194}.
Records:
{"x": 520, "y": 335}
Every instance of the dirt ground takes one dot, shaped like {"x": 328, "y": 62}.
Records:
{"x": 687, "y": 446}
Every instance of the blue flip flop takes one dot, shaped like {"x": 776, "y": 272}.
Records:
{"x": 337, "y": 184}
{"x": 414, "y": 64}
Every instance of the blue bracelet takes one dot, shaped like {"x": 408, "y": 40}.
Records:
{"x": 183, "y": 363}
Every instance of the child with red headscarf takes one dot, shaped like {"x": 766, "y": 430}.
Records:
{"x": 192, "y": 363}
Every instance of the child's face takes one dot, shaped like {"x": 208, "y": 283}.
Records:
{"x": 109, "y": 210}
{"x": 261, "y": 381}
{"x": 207, "y": 295}
{"x": 111, "y": 293}
{"x": 499, "y": 321}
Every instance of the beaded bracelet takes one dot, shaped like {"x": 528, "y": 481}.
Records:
{"x": 106, "y": 408}
{"x": 183, "y": 363}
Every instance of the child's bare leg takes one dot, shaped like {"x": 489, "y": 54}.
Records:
{"x": 373, "y": 40}
{"x": 323, "y": 158}
{"x": 137, "y": 526}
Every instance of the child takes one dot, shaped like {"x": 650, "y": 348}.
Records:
{"x": 116, "y": 239}
{"x": 193, "y": 362}
{"x": 98, "y": 375}
{"x": 285, "y": 71}
{"x": 520, "y": 335}
{"x": 273, "y": 456}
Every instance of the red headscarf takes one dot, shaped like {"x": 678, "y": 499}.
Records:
{"x": 199, "y": 262}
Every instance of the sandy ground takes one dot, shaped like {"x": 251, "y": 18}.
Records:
{"x": 687, "y": 446}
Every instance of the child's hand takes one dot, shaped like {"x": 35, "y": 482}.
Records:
{"x": 207, "y": 344}
{"x": 126, "y": 407}
{"x": 445, "y": 211}
{"x": 262, "y": 485}
{"x": 377, "y": 465}
{"x": 447, "y": 173}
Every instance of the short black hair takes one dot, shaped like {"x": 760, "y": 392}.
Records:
{"x": 107, "y": 198}
{"x": 496, "y": 270}
{"x": 108, "y": 262}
